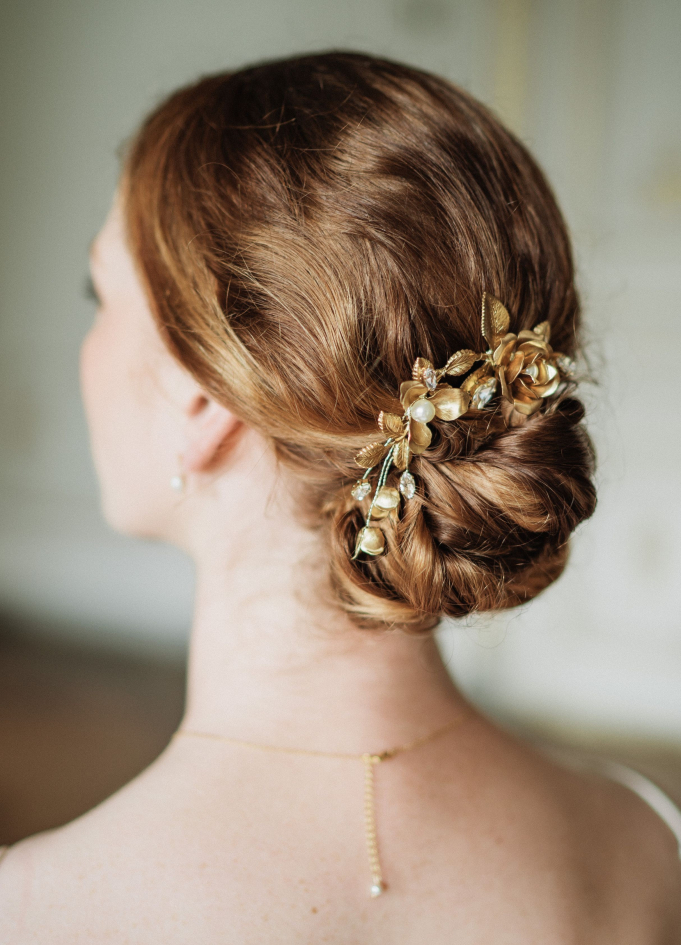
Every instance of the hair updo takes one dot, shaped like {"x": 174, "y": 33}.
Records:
{"x": 306, "y": 229}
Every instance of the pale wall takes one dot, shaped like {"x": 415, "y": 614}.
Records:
{"x": 593, "y": 87}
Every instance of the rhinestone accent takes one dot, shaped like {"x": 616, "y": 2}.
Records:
{"x": 361, "y": 490}
{"x": 429, "y": 378}
{"x": 566, "y": 365}
{"x": 484, "y": 393}
{"x": 407, "y": 485}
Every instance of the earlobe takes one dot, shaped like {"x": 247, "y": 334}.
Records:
{"x": 210, "y": 429}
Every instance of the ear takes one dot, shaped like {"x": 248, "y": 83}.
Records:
{"x": 210, "y": 428}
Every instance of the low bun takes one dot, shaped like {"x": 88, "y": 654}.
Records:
{"x": 298, "y": 267}
{"x": 490, "y": 527}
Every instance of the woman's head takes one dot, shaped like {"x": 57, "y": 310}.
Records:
{"x": 304, "y": 230}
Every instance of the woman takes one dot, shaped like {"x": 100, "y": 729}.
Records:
{"x": 333, "y": 362}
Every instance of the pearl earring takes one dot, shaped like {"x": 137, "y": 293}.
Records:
{"x": 177, "y": 483}
{"x": 179, "y": 480}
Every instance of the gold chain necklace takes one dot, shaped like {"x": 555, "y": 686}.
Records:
{"x": 369, "y": 760}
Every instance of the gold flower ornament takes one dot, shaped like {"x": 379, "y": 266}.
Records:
{"x": 523, "y": 367}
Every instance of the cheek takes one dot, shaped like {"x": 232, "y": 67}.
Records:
{"x": 121, "y": 433}
{"x": 88, "y": 363}
{"x": 93, "y": 384}
{"x": 104, "y": 389}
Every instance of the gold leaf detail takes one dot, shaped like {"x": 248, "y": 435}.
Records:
{"x": 515, "y": 367}
{"x": 504, "y": 350}
{"x": 401, "y": 455}
{"x": 370, "y": 455}
{"x": 387, "y": 498}
{"x": 528, "y": 408}
{"x": 460, "y": 362}
{"x": 549, "y": 386}
{"x": 389, "y": 423}
{"x": 476, "y": 378}
{"x": 504, "y": 386}
{"x": 495, "y": 319}
{"x": 420, "y": 365}
{"x": 371, "y": 541}
{"x": 545, "y": 372}
{"x": 411, "y": 391}
{"x": 535, "y": 347}
{"x": 450, "y": 403}
{"x": 420, "y": 436}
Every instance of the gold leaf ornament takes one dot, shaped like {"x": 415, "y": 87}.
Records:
{"x": 450, "y": 402}
{"x": 390, "y": 423}
{"x": 534, "y": 347}
{"x": 505, "y": 350}
{"x": 522, "y": 367}
{"x": 527, "y": 407}
{"x": 370, "y": 455}
{"x": 420, "y": 365}
{"x": 371, "y": 541}
{"x": 411, "y": 391}
{"x": 401, "y": 455}
{"x": 460, "y": 362}
{"x": 378, "y": 513}
{"x": 476, "y": 378}
{"x": 495, "y": 319}
{"x": 420, "y": 436}
{"x": 424, "y": 372}
{"x": 387, "y": 498}
{"x": 515, "y": 367}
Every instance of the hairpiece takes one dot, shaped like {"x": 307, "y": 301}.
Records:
{"x": 525, "y": 369}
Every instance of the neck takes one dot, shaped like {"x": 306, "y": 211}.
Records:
{"x": 266, "y": 669}
{"x": 273, "y": 661}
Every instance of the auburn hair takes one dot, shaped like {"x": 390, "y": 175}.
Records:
{"x": 305, "y": 229}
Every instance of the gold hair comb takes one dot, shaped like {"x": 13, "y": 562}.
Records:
{"x": 523, "y": 366}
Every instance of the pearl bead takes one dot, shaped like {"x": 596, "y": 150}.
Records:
{"x": 177, "y": 483}
{"x": 422, "y": 410}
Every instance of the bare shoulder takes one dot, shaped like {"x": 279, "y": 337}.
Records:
{"x": 14, "y": 875}
{"x": 635, "y": 860}
{"x": 620, "y": 857}
{"x": 30, "y": 873}
{"x": 53, "y": 883}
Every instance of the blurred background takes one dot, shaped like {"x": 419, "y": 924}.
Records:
{"x": 93, "y": 626}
